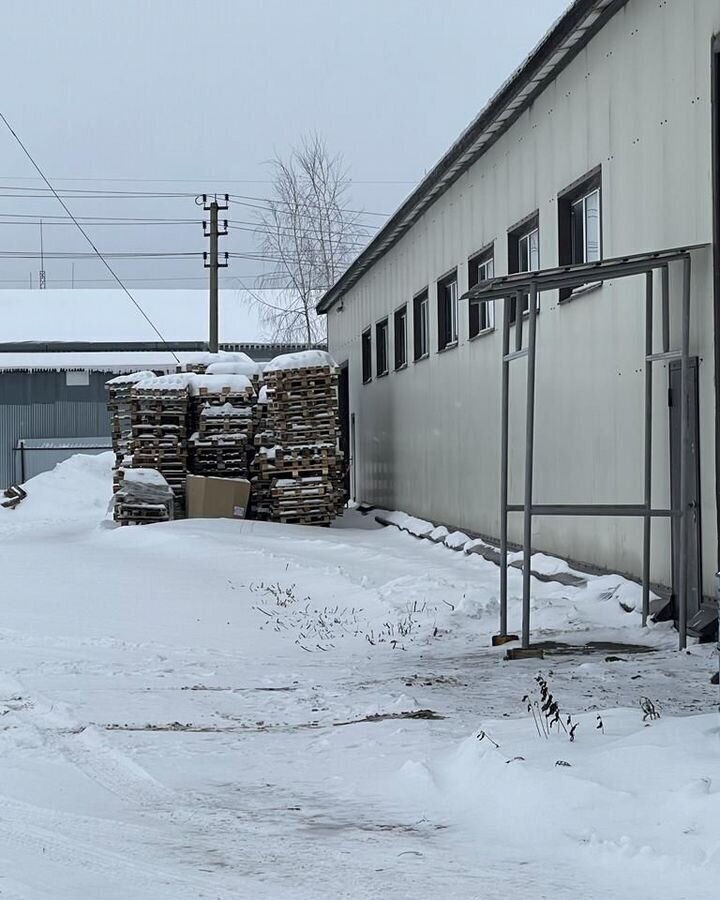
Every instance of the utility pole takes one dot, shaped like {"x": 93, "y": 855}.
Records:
{"x": 212, "y": 262}
{"x": 42, "y": 259}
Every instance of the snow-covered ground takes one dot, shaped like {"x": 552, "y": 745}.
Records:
{"x": 223, "y": 709}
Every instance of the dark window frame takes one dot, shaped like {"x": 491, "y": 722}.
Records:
{"x": 481, "y": 313}
{"x": 366, "y": 355}
{"x": 421, "y": 302}
{"x": 447, "y": 311}
{"x": 521, "y": 230}
{"x": 400, "y": 360}
{"x": 568, "y": 254}
{"x": 382, "y": 347}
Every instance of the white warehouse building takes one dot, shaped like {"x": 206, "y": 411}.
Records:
{"x": 590, "y": 181}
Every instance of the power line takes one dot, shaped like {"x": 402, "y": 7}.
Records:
{"x": 167, "y": 278}
{"x": 70, "y": 254}
{"x": 95, "y": 194}
{"x": 84, "y": 233}
{"x": 199, "y": 180}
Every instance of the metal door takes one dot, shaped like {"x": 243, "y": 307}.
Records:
{"x": 344, "y": 422}
{"x": 694, "y": 545}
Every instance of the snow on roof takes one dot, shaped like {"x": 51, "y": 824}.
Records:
{"x": 110, "y": 362}
{"x": 305, "y": 359}
{"x": 129, "y": 363}
{"x": 108, "y": 315}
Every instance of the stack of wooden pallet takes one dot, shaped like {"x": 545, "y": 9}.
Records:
{"x": 222, "y": 423}
{"x": 263, "y": 440}
{"x": 297, "y": 461}
{"x": 142, "y": 496}
{"x": 160, "y": 409}
{"x": 119, "y": 406}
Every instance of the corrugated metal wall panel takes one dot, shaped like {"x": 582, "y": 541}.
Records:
{"x": 41, "y": 404}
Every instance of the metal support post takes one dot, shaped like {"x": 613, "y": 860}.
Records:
{"x": 647, "y": 468}
{"x": 213, "y": 264}
{"x": 684, "y": 453}
{"x": 504, "y": 443}
{"x": 665, "y": 286}
{"x": 529, "y": 453}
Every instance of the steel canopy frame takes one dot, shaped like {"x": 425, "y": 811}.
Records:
{"x": 516, "y": 286}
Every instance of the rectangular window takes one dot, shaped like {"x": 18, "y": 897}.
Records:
{"x": 381, "y": 348}
{"x": 367, "y": 356}
{"x": 421, "y": 338}
{"x": 447, "y": 307}
{"x": 524, "y": 256}
{"x": 77, "y": 379}
{"x": 580, "y": 223}
{"x": 481, "y": 313}
{"x": 400, "y": 330}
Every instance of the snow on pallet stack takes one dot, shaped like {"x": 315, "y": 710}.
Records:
{"x": 222, "y": 422}
{"x": 119, "y": 396}
{"x": 142, "y": 496}
{"x": 297, "y": 464}
{"x": 160, "y": 428}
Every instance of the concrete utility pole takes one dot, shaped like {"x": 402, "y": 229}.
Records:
{"x": 42, "y": 258}
{"x": 212, "y": 262}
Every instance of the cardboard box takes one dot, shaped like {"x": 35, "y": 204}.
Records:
{"x": 216, "y": 498}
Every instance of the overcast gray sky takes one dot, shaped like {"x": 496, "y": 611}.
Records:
{"x": 186, "y": 96}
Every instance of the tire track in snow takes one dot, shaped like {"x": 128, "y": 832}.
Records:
{"x": 71, "y": 841}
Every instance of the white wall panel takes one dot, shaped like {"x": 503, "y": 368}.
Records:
{"x": 637, "y": 101}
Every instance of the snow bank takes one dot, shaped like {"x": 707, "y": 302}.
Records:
{"x": 306, "y": 359}
{"x": 631, "y": 809}
{"x": 77, "y": 488}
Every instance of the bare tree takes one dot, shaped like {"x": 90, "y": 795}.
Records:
{"x": 309, "y": 235}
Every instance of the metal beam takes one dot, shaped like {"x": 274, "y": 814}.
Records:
{"x": 684, "y": 453}
{"x": 578, "y": 275}
{"x": 610, "y": 510}
{"x": 517, "y": 354}
{"x": 529, "y": 461}
{"x": 647, "y": 466}
{"x": 504, "y": 464}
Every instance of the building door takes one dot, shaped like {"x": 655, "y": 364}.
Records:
{"x": 694, "y": 567}
{"x": 344, "y": 419}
